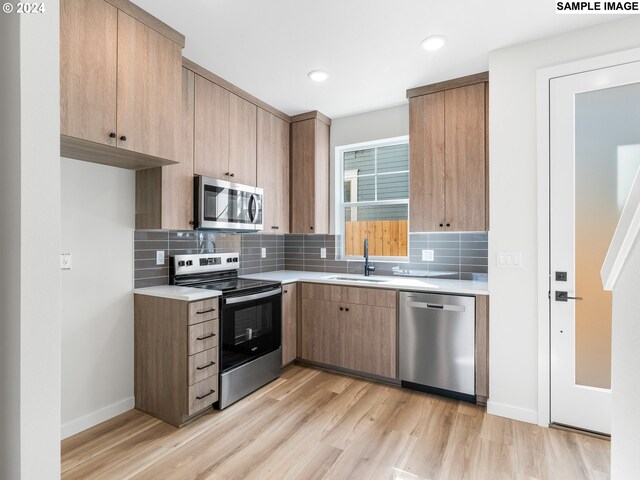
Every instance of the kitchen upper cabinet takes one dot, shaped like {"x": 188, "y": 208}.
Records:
{"x": 225, "y": 134}
{"x": 310, "y": 173}
{"x": 448, "y": 156}
{"x": 120, "y": 85}
{"x": 273, "y": 171}
{"x": 349, "y": 327}
{"x": 164, "y": 195}
{"x": 289, "y": 323}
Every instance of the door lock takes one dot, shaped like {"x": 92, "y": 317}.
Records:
{"x": 564, "y": 296}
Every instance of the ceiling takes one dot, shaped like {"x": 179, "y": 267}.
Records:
{"x": 370, "y": 48}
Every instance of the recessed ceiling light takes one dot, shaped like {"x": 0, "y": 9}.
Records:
{"x": 318, "y": 75}
{"x": 435, "y": 42}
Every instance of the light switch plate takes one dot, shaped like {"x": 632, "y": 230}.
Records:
{"x": 323, "y": 253}
{"x": 159, "y": 257}
{"x": 65, "y": 261}
{"x": 428, "y": 255}
{"x": 263, "y": 252}
{"x": 509, "y": 259}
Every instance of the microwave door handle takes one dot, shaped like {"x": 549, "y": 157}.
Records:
{"x": 253, "y": 208}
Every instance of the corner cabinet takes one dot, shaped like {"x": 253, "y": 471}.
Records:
{"x": 448, "y": 156}
{"x": 273, "y": 171}
{"x": 310, "y": 173}
{"x": 176, "y": 357}
{"x": 289, "y": 323}
{"x": 350, "y": 328}
{"x": 120, "y": 85}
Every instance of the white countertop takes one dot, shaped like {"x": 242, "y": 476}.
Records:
{"x": 464, "y": 287}
{"x": 187, "y": 294}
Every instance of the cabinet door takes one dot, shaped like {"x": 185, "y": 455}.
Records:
{"x": 177, "y": 180}
{"x": 149, "y": 90}
{"x": 321, "y": 180}
{"x": 369, "y": 339}
{"x": 320, "y": 332}
{"x": 465, "y": 158}
{"x": 88, "y": 66}
{"x": 427, "y": 162}
{"x": 242, "y": 141}
{"x": 211, "y": 145}
{"x": 303, "y": 176}
{"x": 273, "y": 171}
{"x": 289, "y": 323}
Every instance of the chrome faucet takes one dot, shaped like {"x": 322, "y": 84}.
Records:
{"x": 367, "y": 268}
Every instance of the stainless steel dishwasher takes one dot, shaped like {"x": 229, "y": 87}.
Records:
{"x": 437, "y": 344}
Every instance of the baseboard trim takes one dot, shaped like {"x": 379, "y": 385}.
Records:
{"x": 94, "y": 418}
{"x": 515, "y": 413}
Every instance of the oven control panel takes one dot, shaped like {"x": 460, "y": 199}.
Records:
{"x": 205, "y": 262}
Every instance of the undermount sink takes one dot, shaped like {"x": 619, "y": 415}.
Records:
{"x": 356, "y": 279}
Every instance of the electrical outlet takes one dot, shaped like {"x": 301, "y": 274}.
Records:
{"x": 65, "y": 261}
{"x": 428, "y": 255}
{"x": 264, "y": 252}
{"x": 510, "y": 259}
{"x": 159, "y": 257}
{"x": 323, "y": 253}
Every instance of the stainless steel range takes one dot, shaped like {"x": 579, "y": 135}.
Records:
{"x": 250, "y": 321}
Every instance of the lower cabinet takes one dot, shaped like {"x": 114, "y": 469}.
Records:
{"x": 176, "y": 357}
{"x": 349, "y": 327}
{"x": 289, "y": 323}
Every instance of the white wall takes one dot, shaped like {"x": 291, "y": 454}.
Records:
{"x": 513, "y": 199}
{"x": 364, "y": 127}
{"x": 625, "y": 381}
{"x": 30, "y": 240}
{"x": 98, "y": 219}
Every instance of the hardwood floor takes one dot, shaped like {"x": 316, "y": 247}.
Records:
{"x": 311, "y": 424}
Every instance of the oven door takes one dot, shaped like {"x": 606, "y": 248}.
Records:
{"x": 228, "y": 206}
{"x": 250, "y": 327}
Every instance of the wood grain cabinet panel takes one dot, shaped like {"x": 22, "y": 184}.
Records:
{"x": 448, "y": 155}
{"x": 289, "y": 323}
{"x": 203, "y": 365}
{"x": 88, "y": 65}
{"x": 273, "y": 170}
{"x": 242, "y": 141}
{"x": 310, "y": 176}
{"x": 203, "y": 336}
{"x": 164, "y": 195}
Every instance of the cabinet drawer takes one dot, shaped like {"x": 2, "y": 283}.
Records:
{"x": 202, "y": 311}
{"x": 203, "y": 365}
{"x": 361, "y": 296}
{"x": 203, "y": 336}
{"x": 203, "y": 394}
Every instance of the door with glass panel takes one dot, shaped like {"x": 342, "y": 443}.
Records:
{"x": 595, "y": 154}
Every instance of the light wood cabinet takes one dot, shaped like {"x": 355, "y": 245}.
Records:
{"x": 120, "y": 85}
{"x": 273, "y": 171}
{"x": 225, "y": 134}
{"x": 176, "y": 357}
{"x": 448, "y": 156}
{"x": 310, "y": 173}
{"x": 289, "y": 323}
{"x": 341, "y": 327}
{"x": 164, "y": 195}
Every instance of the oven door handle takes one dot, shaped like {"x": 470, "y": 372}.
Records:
{"x": 255, "y": 296}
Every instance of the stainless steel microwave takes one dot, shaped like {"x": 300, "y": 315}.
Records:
{"x": 223, "y": 205}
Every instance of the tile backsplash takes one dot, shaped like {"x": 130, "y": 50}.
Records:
{"x": 460, "y": 255}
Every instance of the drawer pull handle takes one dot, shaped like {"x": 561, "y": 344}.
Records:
{"x": 206, "y": 366}
{"x": 206, "y": 311}
{"x": 206, "y": 395}
{"x": 206, "y": 336}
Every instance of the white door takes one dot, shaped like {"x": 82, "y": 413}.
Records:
{"x": 595, "y": 153}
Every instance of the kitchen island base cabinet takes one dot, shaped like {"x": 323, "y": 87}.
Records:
{"x": 336, "y": 331}
{"x": 176, "y": 357}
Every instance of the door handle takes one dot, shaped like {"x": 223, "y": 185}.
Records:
{"x": 564, "y": 297}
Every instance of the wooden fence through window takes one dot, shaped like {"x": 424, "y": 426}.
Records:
{"x": 387, "y": 238}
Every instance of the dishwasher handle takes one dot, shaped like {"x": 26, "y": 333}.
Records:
{"x": 436, "y": 306}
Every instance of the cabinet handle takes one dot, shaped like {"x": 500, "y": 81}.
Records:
{"x": 232, "y": 175}
{"x": 448, "y": 224}
{"x": 112, "y": 135}
{"x": 441, "y": 225}
{"x": 347, "y": 309}
{"x": 311, "y": 227}
{"x": 123, "y": 138}
{"x": 206, "y": 366}
{"x": 190, "y": 222}
{"x": 206, "y": 336}
{"x": 341, "y": 308}
{"x": 286, "y": 291}
{"x": 206, "y": 311}
{"x": 273, "y": 227}
{"x": 204, "y": 396}
{"x": 226, "y": 174}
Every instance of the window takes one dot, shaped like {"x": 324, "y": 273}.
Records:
{"x": 373, "y": 198}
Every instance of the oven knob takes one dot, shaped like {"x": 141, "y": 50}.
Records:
{"x": 181, "y": 263}
{"x": 235, "y": 259}
{"x": 189, "y": 263}
{"x": 229, "y": 260}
